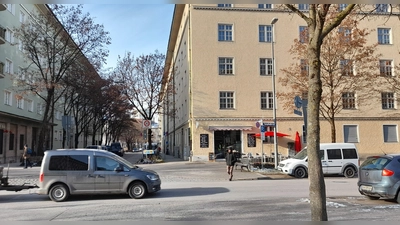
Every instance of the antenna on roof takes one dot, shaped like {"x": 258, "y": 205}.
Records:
{"x": 383, "y": 152}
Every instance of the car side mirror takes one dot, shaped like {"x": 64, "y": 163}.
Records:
{"x": 118, "y": 169}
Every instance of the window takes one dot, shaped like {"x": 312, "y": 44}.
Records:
{"x": 9, "y": 36}
{"x": 389, "y": 133}
{"x": 384, "y": 36}
{"x": 7, "y": 98}
{"x": 69, "y": 162}
{"x": 265, "y": 6}
{"x": 226, "y": 99}
{"x": 40, "y": 108}
{"x": 385, "y": 67}
{"x": 22, "y": 17}
{"x": 20, "y": 103}
{"x": 387, "y": 100}
{"x": 342, "y": 7}
{"x": 265, "y": 33}
{"x": 350, "y": 133}
{"x": 349, "y": 100}
{"x": 346, "y": 67}
{"x": 382, "y": 8}
{"x": 225, "y": 66}
{"x": 20, "y": 45}
{"x": 11, "y": 8}
{"x": 345, "y": 34}
{"x": 349, "y": 153}
{"x": 9, "y": 67}
{"x": 106, "y": 164}
{"x": 21, "y": 73}
{"x": 303, "y": 34}
{"x": 303, "y": 7}
{"x": 29, "y": 105}
{"x": 334, "y": 154}
{"x": 304, "y": 67}
{"x": 225, "y": 32}
{"x": 267, "y": 100}
{"x": 266, "y": 67}
{"x": 225, "y": 5}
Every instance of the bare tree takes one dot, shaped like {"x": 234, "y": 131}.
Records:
{"x": 318, "y": 29}
{"x": 53, "y": 41}
{"x": 142, "y": 79}
{"x": 343, "y": 50}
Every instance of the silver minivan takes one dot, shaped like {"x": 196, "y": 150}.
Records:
{"x": 67, "y": 172}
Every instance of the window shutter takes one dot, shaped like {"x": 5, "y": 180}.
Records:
{"x": 350, "y": 134}
{"x": 389, "y": 133}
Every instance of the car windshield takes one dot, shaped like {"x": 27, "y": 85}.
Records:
{"x": 375, "y": 163}
{"x": 302, "y": 154}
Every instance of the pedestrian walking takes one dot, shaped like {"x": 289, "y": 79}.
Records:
{"x": 27, "y": 155}
{"x": 230, "y": 162}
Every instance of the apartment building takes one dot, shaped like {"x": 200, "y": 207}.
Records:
{"x": 219, "y": 67}
{"x": 21, "y": 114}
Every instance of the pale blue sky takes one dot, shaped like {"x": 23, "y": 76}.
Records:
{"x": 137, "y": 28}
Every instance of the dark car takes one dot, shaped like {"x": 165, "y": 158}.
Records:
{"x": 379, "y": 177}
{"x": 116, "y": 148}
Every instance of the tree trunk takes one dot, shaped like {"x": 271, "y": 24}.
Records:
{"x": 333, "y": 129}
{"x": 316, "y": 177}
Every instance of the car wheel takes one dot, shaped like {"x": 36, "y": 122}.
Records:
{"x": 300, "y": 172}
{"x": 59, "y": 193}
{"x": 349, "y": 172}
{"x": 398, "y": 197}
{"x": 372, "y": 197}
{"x": 137, "y": 190}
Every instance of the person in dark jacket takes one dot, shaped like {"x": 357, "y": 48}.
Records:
{"x": 230, "y": 162}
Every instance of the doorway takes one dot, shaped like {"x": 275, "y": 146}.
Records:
{"x": 225, "y": 138}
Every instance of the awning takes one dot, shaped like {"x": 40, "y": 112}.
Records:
{"x": 230, "y": 127}
{"x": 271, "y": 134}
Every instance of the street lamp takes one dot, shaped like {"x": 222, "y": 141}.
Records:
{"x": 273, "y": 21}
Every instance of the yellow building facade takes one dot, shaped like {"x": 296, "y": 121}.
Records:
{"x": 218, "y": 84}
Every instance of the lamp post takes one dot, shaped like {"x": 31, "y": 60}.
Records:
{"x": 273, "y": 21}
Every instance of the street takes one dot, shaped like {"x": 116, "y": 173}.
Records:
{"x": 200, "y": 191}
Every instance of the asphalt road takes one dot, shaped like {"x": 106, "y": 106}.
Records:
{"x": 201, "y": 192}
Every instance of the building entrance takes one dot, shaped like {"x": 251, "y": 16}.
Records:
{"x": 225, "y": 138}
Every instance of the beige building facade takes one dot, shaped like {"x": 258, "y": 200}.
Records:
{"x": 219, "y": 68}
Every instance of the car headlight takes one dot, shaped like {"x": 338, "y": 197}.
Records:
{"x": 152, "y": 177}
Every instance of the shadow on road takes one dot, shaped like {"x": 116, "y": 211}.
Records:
{"x": 185, "y": 192}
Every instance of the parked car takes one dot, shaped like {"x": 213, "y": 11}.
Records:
{"x": 379, "y": 177}
{"x": 66, "y": 172}
{"x": 116, "y": 148}
{"x": 336, "y": 158}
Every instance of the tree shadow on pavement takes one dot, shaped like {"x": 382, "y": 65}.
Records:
{"x": 185, "y": 192}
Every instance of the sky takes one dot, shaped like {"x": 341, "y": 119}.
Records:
{"x": 136, "y": 28}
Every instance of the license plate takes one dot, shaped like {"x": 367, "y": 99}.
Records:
{"x": 366, "y": 188}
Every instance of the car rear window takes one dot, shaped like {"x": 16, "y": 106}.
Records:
{"x": 69, "y": 162}
{"x": 375, "y": 163}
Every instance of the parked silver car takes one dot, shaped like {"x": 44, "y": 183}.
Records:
{"x": 67, "y": 172}
{"x": 379, "y": 177}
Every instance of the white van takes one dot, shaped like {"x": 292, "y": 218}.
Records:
{"x": 336, "y": 158}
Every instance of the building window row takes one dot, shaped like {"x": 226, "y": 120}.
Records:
{"x": 350, "y": 133}
{"x": 379, "y": 8}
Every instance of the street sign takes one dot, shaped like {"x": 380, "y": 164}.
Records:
{"x": 258, "y": 124}
{"x": 297, "y": 112}
{"x": 269, "y": 124}
{"x": 297, "y": 101}
{"x": 262, "y": 129}
{"x": 146, "y": 123}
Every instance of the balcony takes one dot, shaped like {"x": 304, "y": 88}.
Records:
{"x": 2, "y": 35}
{"x": 2, "y": 70}
{"x": 3, "y": 7}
